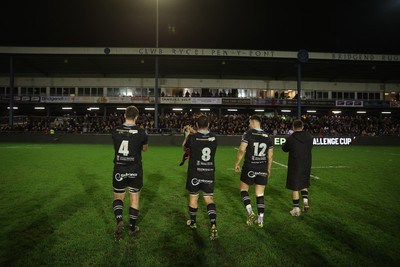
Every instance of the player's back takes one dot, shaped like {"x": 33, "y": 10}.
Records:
{"x": 128, "y": 142}
{"x": 203, "y": 146}
{"x": 258, "y": 143}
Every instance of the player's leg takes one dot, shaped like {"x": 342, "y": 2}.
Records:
{"x": 304, "y": 195}
{"x": 119, "y": 185}
{"x": 212, "y": 214}
{"x": 295, "y": 200}
{"x": 244, "y": 192}
{"x": 193, "y": 206}
{"x": 135, "y": 186}
{"x": 134, "y": 197}
{"x": 118, "y": 206}
{"x": 259, "y": 190}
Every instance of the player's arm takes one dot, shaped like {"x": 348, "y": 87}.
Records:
{"x": 184, "y": 142}
{"x": 239, "y": 155}
{"x": 186, "y": 148}
{"x": 190, "y": 129}
{"x": 145, "y": 147}
{"x": 270, "y": 158}
{"x": 145, "y": 144}
{"x": 187, "y": 130}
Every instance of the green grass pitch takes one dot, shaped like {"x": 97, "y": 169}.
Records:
{"x": 56, "y": 210}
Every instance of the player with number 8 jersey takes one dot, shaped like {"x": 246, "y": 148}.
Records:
{"x": 202, "y": 147}
{"x": 201, "y": 170}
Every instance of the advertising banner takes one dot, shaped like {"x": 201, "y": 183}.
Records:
{"x": 56, "y": 99}
{"x": 349, "y": 103}
{"x": 236, "y": 101}
{"x": 206, "y": 101}
{"x": 94, "y": 99}
{"x": 175, "y": 100}
{"x": 319, "y": 141}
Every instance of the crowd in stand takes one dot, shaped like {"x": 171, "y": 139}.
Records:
{"x": 235, "y": 124}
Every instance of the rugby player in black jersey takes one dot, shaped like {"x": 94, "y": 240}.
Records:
{"x": 201, "y": 169}
{"x": 257, "y": 147}
{"x": 129, "y": 142}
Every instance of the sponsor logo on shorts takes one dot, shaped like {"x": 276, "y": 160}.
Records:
{"x": 196, "y": 181}
{"x": 120, "y": 176}
{"x": 253, "y": 174}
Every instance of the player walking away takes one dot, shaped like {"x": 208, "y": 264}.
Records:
{"x": 299, "y": 146}
{"x": 201, "y": 173}
{"x": 129, "y": 142}
{"x": 257, "y": 147}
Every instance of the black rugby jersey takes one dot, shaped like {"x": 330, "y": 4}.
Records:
{"x": 258, "y": 144}
{"x": 128, "y": 141}
{"x": 203, "y": 146}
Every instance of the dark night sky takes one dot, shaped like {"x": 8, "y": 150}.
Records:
{"x": 362, "y": 26}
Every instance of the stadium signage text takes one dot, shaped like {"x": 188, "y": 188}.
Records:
{"x": 194, "y": 52}
{"x": 263, "y": 54}
{"x": 365, "y": 57}
{"x": 206, "y": 52}
{"x": 331, "y": 141}
{"x": 320, "y": 141}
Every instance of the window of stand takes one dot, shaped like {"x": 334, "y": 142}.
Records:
{"x": 3, "y": 91}
{"x": 322, "y": 95}
{"x": 368, "y": 96}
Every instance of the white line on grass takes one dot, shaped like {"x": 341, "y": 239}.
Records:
{"x": 283, "y": 165}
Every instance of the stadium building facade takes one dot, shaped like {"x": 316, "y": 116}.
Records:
{"x": 58, "y": 81}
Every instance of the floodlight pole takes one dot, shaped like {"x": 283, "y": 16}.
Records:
{"x": 156, "y": 75}
{"x": 302, "y": 57}
{"x": 298, "y": 91}
{"x": 11, "y": 112}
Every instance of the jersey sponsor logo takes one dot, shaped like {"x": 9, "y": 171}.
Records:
{"x": 253, "y": 174}
{"x": 256, "y": 158}
{"x": 121, "y": 158}
{"x": 201, "y": 163}
{"x": 196, "y": 181}
{"x": 262, "y": 134}
{"x": 210, "y": 139}
{"x": 120, "y": 176}
{"x": 122, "y": 131}
{"x": 204, "y": 170}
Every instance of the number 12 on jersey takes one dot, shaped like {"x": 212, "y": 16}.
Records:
{"x": 257, "y": 146}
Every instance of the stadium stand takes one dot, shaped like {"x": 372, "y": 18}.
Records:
{"x": 233, "y": 124}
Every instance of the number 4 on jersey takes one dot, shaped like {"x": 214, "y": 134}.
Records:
{"x": 124, "y": 148}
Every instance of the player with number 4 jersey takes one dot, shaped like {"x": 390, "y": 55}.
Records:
{"x": 129, "y": 142}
